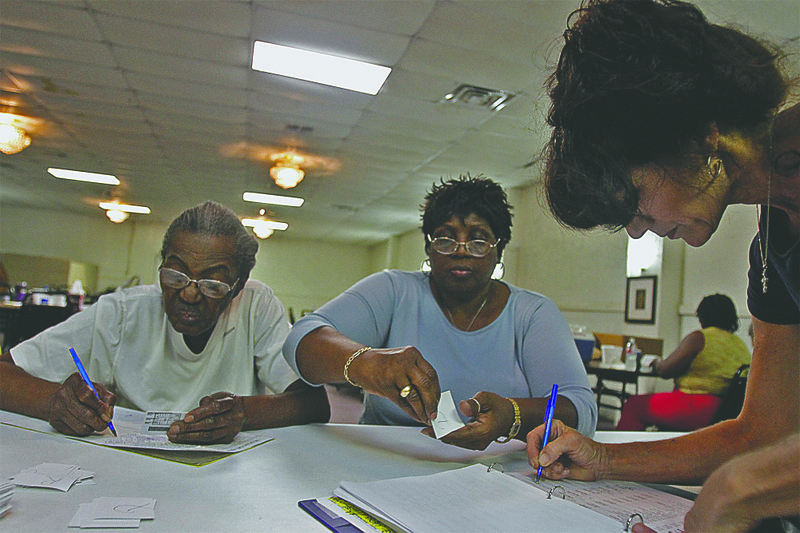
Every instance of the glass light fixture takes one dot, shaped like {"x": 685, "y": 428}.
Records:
{"x": 264, "y": 228}
{"x": 13, "y": 139}
{"x": 118, "y": 212}
{"x": 286, "y": 176}
{"x": 117, "y": 216}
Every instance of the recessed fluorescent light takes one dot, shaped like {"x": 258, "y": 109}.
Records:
{"x": 274, "y": 199}
{"x": 140, "y": 209}
{"x": 271, "y": 224}
{"x": 79, "y": 175}
{"x": 320, "y": 68}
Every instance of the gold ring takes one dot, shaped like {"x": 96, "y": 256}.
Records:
{"x": 405, "y": 391}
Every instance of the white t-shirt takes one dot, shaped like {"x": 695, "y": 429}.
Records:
{"x": 127, "y": 343}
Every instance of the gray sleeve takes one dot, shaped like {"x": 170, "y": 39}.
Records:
{"x": 548, "y": 355}
{"x": 362, "y": 313}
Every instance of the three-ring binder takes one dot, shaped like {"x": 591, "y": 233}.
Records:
{"x": 559, "y": 490}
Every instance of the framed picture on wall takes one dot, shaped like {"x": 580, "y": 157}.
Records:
{"x": 640, "y": 300}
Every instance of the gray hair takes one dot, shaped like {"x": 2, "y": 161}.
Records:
{"x": 216, "y": 220}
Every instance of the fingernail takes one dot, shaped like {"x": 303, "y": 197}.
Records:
{"x": 189, "y": 418}
{"x": 544, "y": 459}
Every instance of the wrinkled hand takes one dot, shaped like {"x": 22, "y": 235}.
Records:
{"x": 75, "y": 410}
{"x": 567, "y": 454}
{"x": 494, "y": 420}
{"x": 219, "y": 419}
{"x": 387, "y": 371}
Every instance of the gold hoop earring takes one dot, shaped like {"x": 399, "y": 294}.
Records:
{"x": 714, "y": 166}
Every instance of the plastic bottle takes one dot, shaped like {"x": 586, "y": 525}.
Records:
{"x": 631, "y": 354}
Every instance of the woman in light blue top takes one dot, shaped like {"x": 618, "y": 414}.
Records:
{"x": 405, "y": 336}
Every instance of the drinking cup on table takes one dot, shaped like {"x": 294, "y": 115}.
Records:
{"x": 611, "y": 354}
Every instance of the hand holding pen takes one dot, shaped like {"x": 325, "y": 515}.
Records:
{"x": 77, "y": 410}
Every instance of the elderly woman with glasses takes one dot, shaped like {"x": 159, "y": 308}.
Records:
{"x": 207, "y": 335}
{"x": 404, "y": 337}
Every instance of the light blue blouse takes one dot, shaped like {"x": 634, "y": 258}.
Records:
{"x": 527, "y": 349}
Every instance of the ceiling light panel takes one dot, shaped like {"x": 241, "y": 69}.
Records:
{"x": 319, "y": 68}
{"x": 272, "y": 199}
{"x": 79, "y": 175}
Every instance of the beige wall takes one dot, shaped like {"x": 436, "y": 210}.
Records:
{"x": 584, "y": 273}
{"x": 304, "y": 274}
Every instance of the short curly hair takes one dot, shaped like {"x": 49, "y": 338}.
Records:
{"x": 214, "y": 219}
{"x": 718, "y": 310}
{"x": 462, "y": 196}
{"x": 640, "y": 82}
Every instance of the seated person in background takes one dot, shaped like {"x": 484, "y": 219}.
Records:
{"x": 206, "y": 329}
{"x": 405, "y": 336}
{"x": 702, "y": 365}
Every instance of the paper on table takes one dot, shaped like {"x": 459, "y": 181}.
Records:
{"x": 471, "y": 499}
{"x": 139, "y": 508}
{"x": 447, "y": 419}
{"x": 51, "y": 476}
{"x": 129, "y": 424}
{"x": 83, "y": 519}
{"x": 662, "y": 511}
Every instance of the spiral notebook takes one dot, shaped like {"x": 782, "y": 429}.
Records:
{"x": 475, "y": 498}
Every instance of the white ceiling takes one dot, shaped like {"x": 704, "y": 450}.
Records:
{"x": 161, "y": 94}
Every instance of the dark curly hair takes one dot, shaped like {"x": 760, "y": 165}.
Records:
{"x": 212, "y": 218}
{"x": 717, "y": 310}
{"x": 463, "y": 196}
{"x": 639, "y": 82}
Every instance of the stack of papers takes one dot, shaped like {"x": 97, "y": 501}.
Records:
{"x": 114, "y": 513}
{"x": 52, "y": 476}
{"x": 6, "y": 491}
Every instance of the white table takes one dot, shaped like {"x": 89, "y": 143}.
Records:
{"x": 255, "y": 490}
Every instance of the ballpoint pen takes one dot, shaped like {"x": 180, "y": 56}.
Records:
{"x": 548, "y": 423}
{"x": 88, "y": 381}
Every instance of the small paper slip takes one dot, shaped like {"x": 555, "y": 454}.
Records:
{"x": 447, "y": 419}
{"x": 160, "y": 420}
{"x": 114, "y": 513}
{"x": 51, "y": 476}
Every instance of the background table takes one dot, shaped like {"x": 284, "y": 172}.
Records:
{"x": 255, "y": 490}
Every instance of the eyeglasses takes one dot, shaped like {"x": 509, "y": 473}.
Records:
{"x": 474, "y": 247}
{"x": 178, "y": 280}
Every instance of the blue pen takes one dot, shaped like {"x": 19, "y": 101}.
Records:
{"x": 548, "y": 423}
{"x": 88, "y": 381}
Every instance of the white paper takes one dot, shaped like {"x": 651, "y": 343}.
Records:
{"x": 51, "y": 476}
{"x": 475, "y": 500}
{"x": 160, "y": 420}
{"x": 129, "y": 423}
{"x": 83, "y": 519}
{"x": 116, "y": 512}
{"x": 447, "y": 419}
{"x": 139, "y": 508}
{"x": 662, "y": 511}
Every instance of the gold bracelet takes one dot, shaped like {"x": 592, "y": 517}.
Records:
{"x": 352, "y": 358}
{"x": 515, "y": 426}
